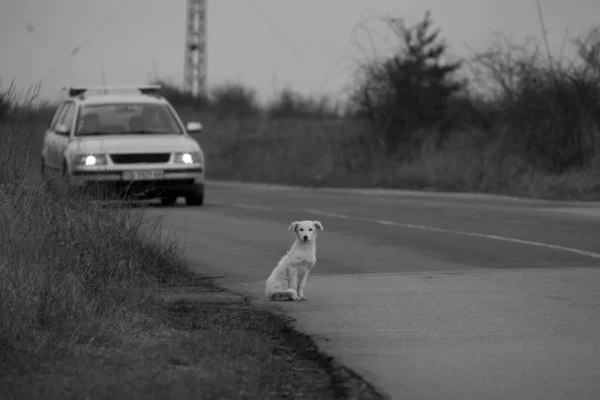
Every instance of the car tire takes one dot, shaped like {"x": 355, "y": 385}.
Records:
{"x": 44, "y": 177}
{"x": 195, "y": 198}
{"x": 168, "y": 201}
{"x": 43, "y": 169}
{"x": 66, "y": 184}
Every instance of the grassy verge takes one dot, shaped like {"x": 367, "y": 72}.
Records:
{"x": 87, "y": 308}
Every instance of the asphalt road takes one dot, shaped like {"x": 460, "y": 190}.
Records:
{"x": 426, "y": 296}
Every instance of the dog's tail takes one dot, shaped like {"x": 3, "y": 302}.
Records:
{"x": 287, "y": 294}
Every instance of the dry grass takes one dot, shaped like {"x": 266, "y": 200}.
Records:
{"x": 336, "y": 153}
{"x": 81, "y": 314}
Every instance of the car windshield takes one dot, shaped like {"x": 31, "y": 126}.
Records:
{"x": 126, "y": 119}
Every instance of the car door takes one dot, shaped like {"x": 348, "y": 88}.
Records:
{"x": 62, "y": 139}
{"x": 50, "y": 136}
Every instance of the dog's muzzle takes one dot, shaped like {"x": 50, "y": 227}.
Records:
{"x": 305, "y": 238}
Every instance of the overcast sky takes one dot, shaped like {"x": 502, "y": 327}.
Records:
{"x": 304, "y": 44}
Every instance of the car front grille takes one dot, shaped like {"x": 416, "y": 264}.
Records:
{"x": 137, "y": 158}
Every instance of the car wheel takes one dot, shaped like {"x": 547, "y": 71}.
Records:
{"x": 46, "y": 180}
{"x": 168, "y": 201}
{"x": 43, "y": 168}
{"x": 65, "y": 180}
{"x": 195, "y": 198}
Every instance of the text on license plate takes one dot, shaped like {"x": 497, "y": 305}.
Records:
{"x": 143, "y": 175}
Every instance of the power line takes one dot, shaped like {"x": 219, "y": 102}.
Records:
{"x": 28, "y": 25}
{"x": 277, "y": 33}
{"x": 291, "y": 47}
{"x": 77, "y": 49}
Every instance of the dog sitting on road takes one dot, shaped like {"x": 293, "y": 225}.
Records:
{"x": 288, "y": 279}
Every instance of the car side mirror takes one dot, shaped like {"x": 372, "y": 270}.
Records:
{"x": 193, "y": 127}
{"x": 62, "y": 129}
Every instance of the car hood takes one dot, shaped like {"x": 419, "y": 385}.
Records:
{"x": 134, "y": 144}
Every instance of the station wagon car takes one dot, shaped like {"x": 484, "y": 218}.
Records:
{"x": 125, "y": 139}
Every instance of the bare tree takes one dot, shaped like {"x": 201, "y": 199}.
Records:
{"x": 588, "y": 50}
{"x": 499, "y": 70}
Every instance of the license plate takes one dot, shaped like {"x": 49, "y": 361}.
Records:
{"x": 143, "y": 175}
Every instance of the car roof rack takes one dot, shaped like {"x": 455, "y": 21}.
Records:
{"x": 75, "y": 91}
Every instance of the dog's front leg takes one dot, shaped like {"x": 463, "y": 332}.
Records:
{"x": 294, "y": 282}
{"x": 302, "y": 285}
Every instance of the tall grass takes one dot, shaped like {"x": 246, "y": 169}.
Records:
{"x": 68, "y": 265}
{"x": 310, "y": 153}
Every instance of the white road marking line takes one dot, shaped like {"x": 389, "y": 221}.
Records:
{"x": 593, "y": 212}
{"x": 424, "y": 228}
{"x": 386, "y": 192}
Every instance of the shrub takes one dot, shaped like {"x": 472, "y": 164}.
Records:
{"x": 410, "y": 91}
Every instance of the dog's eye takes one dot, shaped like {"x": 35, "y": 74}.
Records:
{"x": 301, "y": 229}
{"x": 310, "y": 229}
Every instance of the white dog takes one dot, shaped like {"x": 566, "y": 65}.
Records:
{"x": 288, "y": 279}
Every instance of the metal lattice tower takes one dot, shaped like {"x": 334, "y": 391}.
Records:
{"x": 195, "y": 48}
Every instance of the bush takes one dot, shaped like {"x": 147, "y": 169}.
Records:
{"x": 289, "y": 104}
{"x": 541, "y": 115}
{"x": 552, "y": 110}
{"x": 409, "y": 91}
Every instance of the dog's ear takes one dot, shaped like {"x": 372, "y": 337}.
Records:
{"x": 318, "y": 225}
{"x": 293, "y": 226}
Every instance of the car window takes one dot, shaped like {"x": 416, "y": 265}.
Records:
{"x": 58, "y": 115}
{"x": 68, "y": 115}
{"x": 126, "y": 118}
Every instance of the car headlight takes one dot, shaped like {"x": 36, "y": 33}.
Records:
{"x": 191, "y": 157}
{"x": 89, "y": 160}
